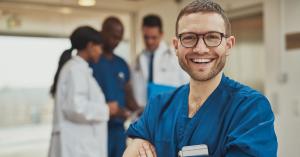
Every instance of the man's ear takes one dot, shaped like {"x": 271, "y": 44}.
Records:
{"x": 175, "y": 44}
{"x": 230, "y": 42}
{"x": 161, "y": 34}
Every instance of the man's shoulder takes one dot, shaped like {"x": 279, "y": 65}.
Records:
{"x": 246, "y": 98}
{"x": 240, "y": 89}
{"x": 119, "y": 59}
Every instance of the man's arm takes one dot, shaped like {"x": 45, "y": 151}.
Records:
{"x": 139, "y": 148}
{"x": 131, "y": 103}
{"x": 116, "y": 111}
{"x": 252, "y": 130}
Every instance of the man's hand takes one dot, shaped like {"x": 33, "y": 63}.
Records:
{"x": 113, "y": 108}
{"x": 126, "y": 114}
{"x": 140, "y": 148}
{"x": 147, "y": 150}
{"x": 116, "y": 111}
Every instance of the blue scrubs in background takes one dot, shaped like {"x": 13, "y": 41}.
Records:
{"x": 235, "y": 121}
{"x": 112, "y": 75}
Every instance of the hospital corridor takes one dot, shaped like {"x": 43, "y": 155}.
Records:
{"x": 84, "y": 77}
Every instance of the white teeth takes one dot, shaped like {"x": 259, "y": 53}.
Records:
{"x": 201, "y": 60}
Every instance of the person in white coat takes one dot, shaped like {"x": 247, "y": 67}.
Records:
{"x": 80, "y": 112}
{"x": 157, "y": 63}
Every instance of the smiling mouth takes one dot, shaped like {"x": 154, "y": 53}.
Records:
{"x": 201, "y": 60}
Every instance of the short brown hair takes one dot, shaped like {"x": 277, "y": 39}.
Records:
{"x": 204, "y": 6}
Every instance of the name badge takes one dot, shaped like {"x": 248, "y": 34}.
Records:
{"x": 195, "y": 150}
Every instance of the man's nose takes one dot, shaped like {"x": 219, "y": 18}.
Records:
{"x": 201, "y": 46}
{"x": 150, "y": 41}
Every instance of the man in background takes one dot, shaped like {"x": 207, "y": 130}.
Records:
{"x": 112, "y": 74}
{"x": 156, "y": 68}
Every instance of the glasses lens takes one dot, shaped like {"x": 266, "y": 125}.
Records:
{"x": 213, "y": 39}
{"x": 188, "y": 39}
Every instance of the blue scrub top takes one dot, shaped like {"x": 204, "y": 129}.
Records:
{"x": 112, "y": 75}
{"x": 234, "y": 121}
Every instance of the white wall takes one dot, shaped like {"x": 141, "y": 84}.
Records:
{"x": 246, "y": 61}
{"x": 290, "y": 90}
{"x": 283, "y": 75}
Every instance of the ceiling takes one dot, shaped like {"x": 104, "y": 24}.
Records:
{"x": 112, "y": 5}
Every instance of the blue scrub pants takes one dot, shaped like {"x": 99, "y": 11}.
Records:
{"x": 116, "y": 141}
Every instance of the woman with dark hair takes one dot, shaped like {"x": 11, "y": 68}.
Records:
{"x": 80, "y": 112}
{"x": 65, "y": 56}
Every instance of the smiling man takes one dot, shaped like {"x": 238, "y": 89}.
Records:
{"x": 224, "y": 117}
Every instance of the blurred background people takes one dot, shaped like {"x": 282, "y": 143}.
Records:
{"x": 156, "y": 68}
{"x": 80, "y": 112}
{"x": 113, "y": 76}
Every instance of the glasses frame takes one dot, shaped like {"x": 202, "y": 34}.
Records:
{"x": 223, "y": 35}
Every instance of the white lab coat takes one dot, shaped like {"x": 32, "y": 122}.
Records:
{"x": 80, "y": 114}
{"x": 166, "y": 71}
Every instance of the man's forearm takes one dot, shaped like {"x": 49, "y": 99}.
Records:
{"x": 131, "y": 103}
{"x": 121, "y": 113}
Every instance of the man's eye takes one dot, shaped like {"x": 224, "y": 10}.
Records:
{"x": 212, "y": 36}
{"x": 189, "y": 37}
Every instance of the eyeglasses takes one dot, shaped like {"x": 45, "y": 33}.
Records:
{"x": 211, "y": 39}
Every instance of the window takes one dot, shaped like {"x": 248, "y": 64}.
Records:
{"x": 27, "y": 67}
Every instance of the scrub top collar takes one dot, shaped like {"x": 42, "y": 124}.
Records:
{"x": 186, "y": 125}
{"x": 184, "y": 105}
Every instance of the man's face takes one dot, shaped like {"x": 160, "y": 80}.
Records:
{"x": 152, "y": 37}
{"x": 202, "y": 63}
{"x": 113, "y": 37}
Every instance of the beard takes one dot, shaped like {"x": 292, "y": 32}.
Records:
{"x": 199, "y": 76}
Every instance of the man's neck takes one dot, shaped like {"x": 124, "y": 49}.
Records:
{"x": 151, "y": 51}
{"x": 108, "y": 54}
{"x": 201, "y": 90}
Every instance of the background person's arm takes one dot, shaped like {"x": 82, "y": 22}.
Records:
{"x": 140, "y": 148}
{"x": 116, "y": 111}
{"x": 131, "y": 103}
